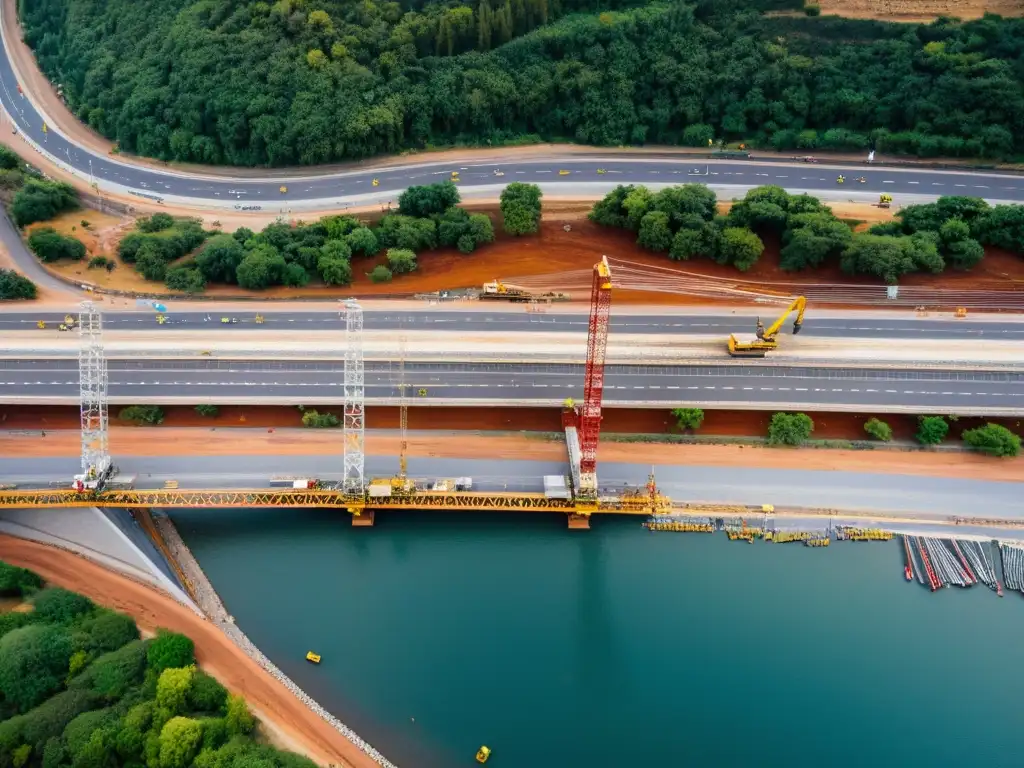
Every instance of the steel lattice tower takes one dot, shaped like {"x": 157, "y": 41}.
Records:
{"x": 354, "y": 424}
{"x": 593, "y": 387}
{"x": 93, "y": 382}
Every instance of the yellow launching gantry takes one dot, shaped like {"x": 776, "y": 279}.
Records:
{"x": 764, "y": 340}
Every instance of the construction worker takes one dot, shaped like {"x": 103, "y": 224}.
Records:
{"x": 841, "y": 179}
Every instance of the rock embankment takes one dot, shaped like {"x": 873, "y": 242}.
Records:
{"x": 209, "y": 601}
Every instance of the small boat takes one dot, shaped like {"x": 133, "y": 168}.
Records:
{"x": 313, "y": 657}
{"x": 482, "y": 754}
{"x": 908, "y": 573}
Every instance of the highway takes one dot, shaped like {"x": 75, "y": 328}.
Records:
{"x": 847, "y": 491}
{"x": 334, "y": 189}
{"x": 298, "y": 382}
{"x": 500, "y": 318}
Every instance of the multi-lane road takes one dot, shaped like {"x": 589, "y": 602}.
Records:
{"x": 301, "y": 382}
{"x": 500, "y": 318}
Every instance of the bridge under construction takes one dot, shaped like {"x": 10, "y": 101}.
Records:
{"x": 575, "y": 494}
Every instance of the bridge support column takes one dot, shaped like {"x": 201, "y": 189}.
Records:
{"x": 364, "y": 519}
{"x": 579, "y": 522}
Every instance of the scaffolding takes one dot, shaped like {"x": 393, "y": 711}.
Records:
{"x": 93, "y": 384}
{"x": 353, "y": 426}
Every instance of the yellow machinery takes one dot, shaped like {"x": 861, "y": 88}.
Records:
{"x": 283, "y": 190}
{"x": 563, "y": 173}
{"x": 41, "y": 324}
{"x": 313, "y": 657}
{"x": 884, "y": 201}
{"x": 376, "y": 182}
{"x": 483, "y": 754}
{"x": 764, "y": 340}
{"x": 259, "y": 319}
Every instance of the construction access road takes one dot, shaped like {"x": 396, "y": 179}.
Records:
{"x": 888, "y": 390}
{"x": 501, "y": 318}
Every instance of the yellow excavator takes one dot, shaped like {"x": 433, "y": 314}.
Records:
{"x": 764, "y": 339}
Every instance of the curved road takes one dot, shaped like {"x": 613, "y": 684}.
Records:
{"x": 246, "y": 193}
{"x": 857, "y": 325}
{"x": 880, "y": 390}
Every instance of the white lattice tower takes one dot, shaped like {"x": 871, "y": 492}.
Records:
{"x": 354, "y": 424}
{"x": 93, "y": 381}
{"x": 403, "y": 408}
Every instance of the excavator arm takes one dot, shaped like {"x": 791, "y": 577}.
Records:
{"x": 799, "y": 305}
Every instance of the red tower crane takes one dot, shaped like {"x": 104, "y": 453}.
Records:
{"x": 593, "y": 388}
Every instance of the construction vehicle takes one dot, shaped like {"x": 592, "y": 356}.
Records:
{"x": 764, "y": 340}
{"x": 376, "y": 182}
{"x": 840, "y": 179}
{"x": 884, "y": 201}
{"x": 564, "y": 173}
{"x": 283, "y": 190}
{"x": 517, "y": 293}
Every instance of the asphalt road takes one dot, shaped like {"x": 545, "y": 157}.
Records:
{"x": 502, "y": 319}
{"x": 782, "y": 487}
{"x": 284, "y": 381}
{"x": 256, "y": 194}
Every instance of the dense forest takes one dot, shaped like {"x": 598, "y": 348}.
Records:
{"x": 684, "y": 222}
{"x": 79, "y": 688}
{"x": 253, "y": 82}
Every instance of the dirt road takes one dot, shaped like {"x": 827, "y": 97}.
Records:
{"x": 452, "y": 445}
{"x": 291, "y": 723}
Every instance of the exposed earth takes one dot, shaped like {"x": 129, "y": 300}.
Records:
{"x": 920, "y": 10}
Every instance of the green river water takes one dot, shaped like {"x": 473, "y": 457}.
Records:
{"x": 618, "y": 647}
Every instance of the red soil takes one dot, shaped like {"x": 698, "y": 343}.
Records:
{"x": 838, "y": 426}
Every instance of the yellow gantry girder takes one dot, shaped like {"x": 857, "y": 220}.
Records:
{"x": 423, "y": 500}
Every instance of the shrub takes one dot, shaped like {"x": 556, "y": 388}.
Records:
{"x": 97, "y": 261}
{"x": 931, "y": 430}
{"x": 238, "y": 718}
{"x": 59, "y": 606}
{"x": 15, "y": 286}
{"x": 428, "y": 200}
{"x": 380, "y": 274}
{"x": 318, "y": 420}
{"x": 878, "y": 429}
{"x": 33, "y": 664}
{"x": 812, "y": 10}
{"x": 105, "y": 631}
{"x": 207, "y": 695}
{"x": 15, "y": 581}
{"x": 142, "y": 414}
{"x": 361, "y": 241}
{"x": 789, "y": 428}
{"x": 688, "y": 418}
{"x": 207, "y": 410}
{"x": 155, "y": 223}
{"x": 993, "y": 439}
{"x": 180, "y": 739}
{"x": 521, "y": 208}
{"x": 172, "y": 689}
{"x": 114, "y": 673}
{"x": 79, "y": 730}
{"x": 39, "y": 200}
{"x": 49, "y": 245}
{"x": 170, "y": 649}
{"x": 187, "y": 279}
{"x": 401, "y": 260}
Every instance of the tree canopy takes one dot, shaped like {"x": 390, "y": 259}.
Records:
{"x": 248, "y": 82}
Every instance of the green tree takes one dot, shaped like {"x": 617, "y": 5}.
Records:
{"x": 380, "y": 274}
{"x": 18, "y": 582}
{"x": 172, "y": 689}
{"x": 207, "y": 410}
{"x": 49, "y": 245}
{"x": 113, "y": 674}
{"x": 239, "y": 720}
{"x": 186, "y": 279}
{"x": 170, "y": 650}
{"x": 15, "y": 286}
{"x": 104, "y": 631}
{"x": 521, "y": 208}
{"x": 362, "y": 242}
{"x": 396, "y": 231}
{"x": 739, "y": 247}
{"x": 655, "y": 233}
{"x": 317, "y": 420}
{"x": 789, "y": 428}
{"x": 206, "y": 694}
{"x": 428, "y": 200}
{"x": 334, "y": 270}
{"x": 33, "y": 664}
{"x": 260, "y": 268}
{"x": 878, "y": 429}
{"x": 688, "y": 418}
{"x": 40, "y": 200}
{"x": 142, "y": 414}
{"x": 219, "y": 260}
{"x": 401, "y": 260}
{"x": 59, "y": 606}
{"x": 179, "y": 742}
{"x": 295, "y": 275}
{"x": 931, "y": 430}
{"x": 993, "y": 439}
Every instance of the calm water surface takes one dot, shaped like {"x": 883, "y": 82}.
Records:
{"x": 619, "y": 647}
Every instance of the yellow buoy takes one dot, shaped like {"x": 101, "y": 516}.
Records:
{"x": 482, "y": 754}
